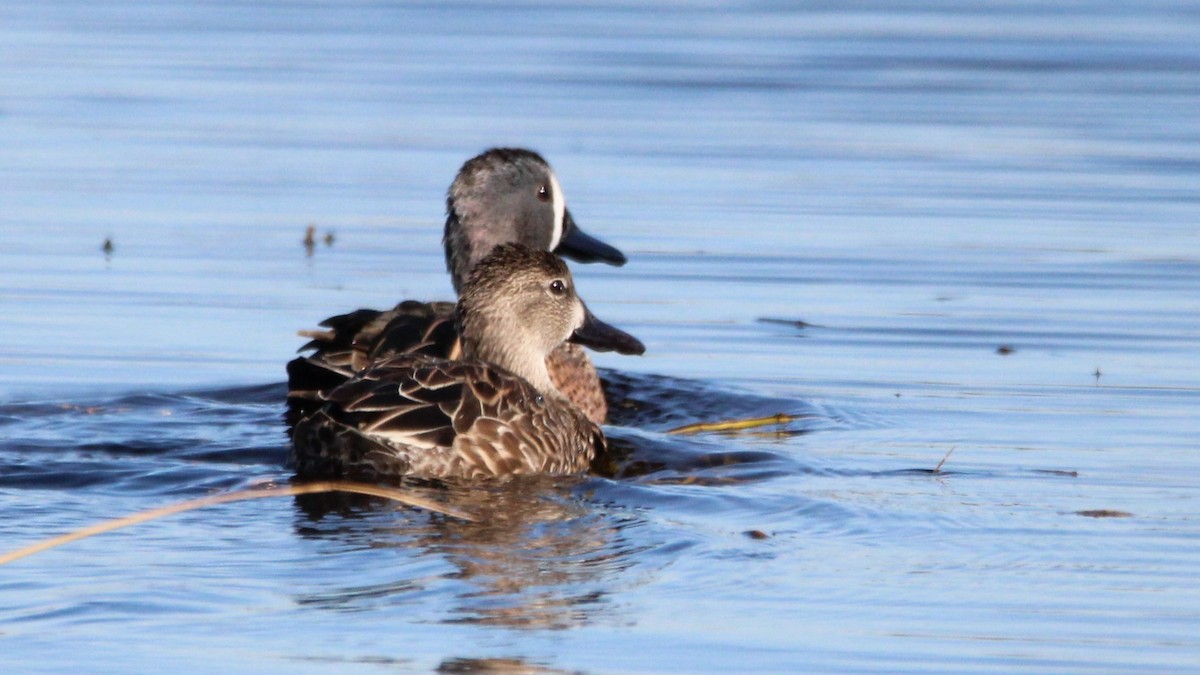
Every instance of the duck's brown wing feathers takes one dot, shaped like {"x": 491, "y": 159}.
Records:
{"x": 412, "y": 415}
{"x": 361, "y": 338}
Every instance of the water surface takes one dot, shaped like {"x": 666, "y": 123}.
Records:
{"x": 930, "y": 229}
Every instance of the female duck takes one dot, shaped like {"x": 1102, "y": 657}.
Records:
{"x": 501, "y": 196}
{"x": 494, "y": 413}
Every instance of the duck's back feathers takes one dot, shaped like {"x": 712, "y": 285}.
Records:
{"x": 431, "y": 418}
{"x": 362, "y": 337}
{"x": 355, "y": 340}
{"x": 358, "y": 339}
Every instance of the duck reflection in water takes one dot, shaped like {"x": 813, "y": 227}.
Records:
{"x": 539, "y": 559}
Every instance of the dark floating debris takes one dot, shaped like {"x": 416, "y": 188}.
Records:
{"x": 107, "y": 247}
{"x": 310, "y": 239}
{"x": 795, "y": 323}
{"x": 1005, "y": 350}
{"x": 1104, "y": 513}
{"x": 757, "y": 534}
{"x": 473, "y": 666}
{"x": 1058, "y": 472}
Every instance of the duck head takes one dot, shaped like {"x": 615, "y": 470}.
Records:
{"x": 509, "y": 195}
{"x": 519, "y": 304}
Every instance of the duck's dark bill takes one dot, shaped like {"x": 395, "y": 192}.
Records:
{"x": 582, "y": 247}
{"x": 602, "y": 337}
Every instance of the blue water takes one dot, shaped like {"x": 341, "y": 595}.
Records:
{"x": 966, "y": 232}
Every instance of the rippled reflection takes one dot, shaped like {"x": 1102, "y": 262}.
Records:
{"x": 537, "y": 558}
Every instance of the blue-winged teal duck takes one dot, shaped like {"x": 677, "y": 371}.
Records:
{"x": 493, "y": 413}
{"x": 503, "y": 195}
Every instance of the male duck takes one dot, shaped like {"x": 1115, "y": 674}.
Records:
{"x": 503, "y": 195}
{"x": 495, "y": 412}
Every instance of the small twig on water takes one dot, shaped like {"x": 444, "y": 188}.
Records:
{"x": 938, "y": 468}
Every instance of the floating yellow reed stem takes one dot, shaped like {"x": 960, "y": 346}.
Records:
{"x": 396, "y": 494}
{"x": 734, "y": 425}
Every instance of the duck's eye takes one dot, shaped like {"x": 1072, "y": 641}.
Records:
{"x": 557, "y": 287}
{"x": 543, "y": 193}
